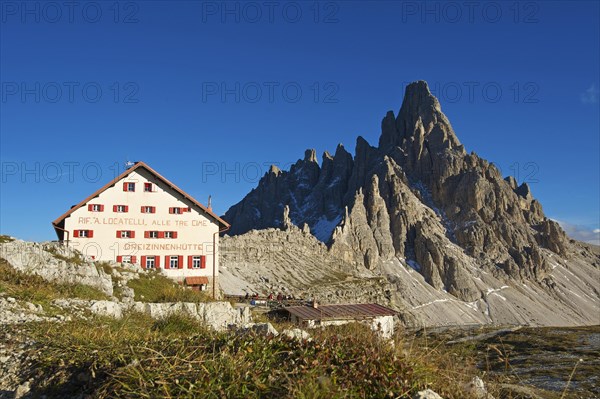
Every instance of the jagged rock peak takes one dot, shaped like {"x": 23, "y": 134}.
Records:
{"x": 341, "y": 153}
{"x": 274, "y": 170}
{"x": 420, "y": 127}
{"x": 418, "y": 94}
{"x": 286, "y": 223}
{"x": 310, "y": 155}
{"x": 327, "y": 155}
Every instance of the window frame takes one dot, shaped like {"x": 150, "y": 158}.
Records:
{"x": 126, "y": 234}
{"x": 153, "y": 234}
{"x": 194, "y": 259}
{"x": 148, "y": 187}
{"x": 173, "y": 260}
{"x": 96, "y": 208}
{"x": 150, "y": 262}
{"x": 130, "y": 187}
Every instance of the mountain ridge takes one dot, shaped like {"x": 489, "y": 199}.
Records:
{"x": 418, "y": 198}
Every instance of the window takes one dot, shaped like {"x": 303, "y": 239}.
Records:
{"x": 130, "y": 187}
{"x": 150, "y": 234}
{"x": 120, "y": 208}
{"x": 148, "y": 209}
{"x": 196, "y": 262}
{"x": 95, "y": 208}
{"x": 174, "y": 262}
{"x": 170, "y": 234}
{"x": 175, "y": 211}
{"x": 150, "y": 262}
{"x": 83, "y": 233}
{"x": 125, "y": 234}
{"x": 148, "y": 187}
{"x": 126, "y": 259}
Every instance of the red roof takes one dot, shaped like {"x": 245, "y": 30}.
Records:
{"x": 337, "y": 312}
{"x": 197, "y": 280}
{"x": 126, "y": 173}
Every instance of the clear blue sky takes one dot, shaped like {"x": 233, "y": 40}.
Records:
{"x": 211, "y": 93}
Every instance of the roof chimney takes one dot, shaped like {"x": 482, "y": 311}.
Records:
{"x": 209, "y": 203}
{"x": 315, "y": 305}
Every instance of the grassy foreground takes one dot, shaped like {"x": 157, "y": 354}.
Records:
{"x": 138, "y": 357}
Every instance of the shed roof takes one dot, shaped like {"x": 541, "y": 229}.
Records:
{"x": 196, "y": 280}
{"x": 340, "y": 312}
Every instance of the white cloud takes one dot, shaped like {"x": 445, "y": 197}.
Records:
{"x": 581, "y": 232}
{"x": 590, "y": 95}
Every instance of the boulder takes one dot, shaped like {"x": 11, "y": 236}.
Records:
{"x": 261, "y": 329}
{"x": 107, "y": 308}
{"x": 427, "y": 394}
{"x": 296, "y": 333}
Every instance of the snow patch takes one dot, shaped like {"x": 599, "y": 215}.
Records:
{"x": 430, "y": 303}
{"x": 323, "y": 228}
{"x": 414, "y": 264}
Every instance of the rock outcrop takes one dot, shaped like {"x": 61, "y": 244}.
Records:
{"x": 417, "y": 199}
{"x": 55, "y": 262}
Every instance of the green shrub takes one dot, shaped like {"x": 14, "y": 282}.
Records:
{"x": 5, "y": 239}
{"x": 153, "y": 286}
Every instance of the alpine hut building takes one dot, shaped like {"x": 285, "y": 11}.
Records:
{"x": 143, "y": 219}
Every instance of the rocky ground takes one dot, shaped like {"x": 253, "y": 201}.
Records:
{"x": 292, "y": 261}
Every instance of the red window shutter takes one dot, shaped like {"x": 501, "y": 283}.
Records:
{"x": 180, "y": 262}
{"x": 126, "y": 208}
{"x": 75, "y": 233}
{"x": 157, "y": 261}
{"x": 90, "y": 233}
{"x": 189, "y": 209}
{"x": 114, "y": 208}
{"x": 101, "y": 208}
{"x": 124, "y": 186}
{"x": 134, "y": 259}
{"x": 167, "y": 263}
{"x": 143, "y": 262}
{"x": 90, "y": 207}
{"x": 161, "y": 234}
{"x": 190, "y": 262}
{"x": 118, "y": 233}
{"x": 174, "y": 233}
{"x": 119, "y": 258}
{"x": 153, "y": 209}
{"x": 171, "y": 210}
{"x": 143, "y": 209}
{"x": 146, "y": 234}
{"x": 132, "y": 234}
{"x": 203, "y": 262}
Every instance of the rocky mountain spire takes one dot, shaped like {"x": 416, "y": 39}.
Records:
{"x": 414, "y": 196}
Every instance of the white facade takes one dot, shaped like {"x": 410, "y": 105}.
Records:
{"x": 383, "y": 325}
{"x": 142, "y": 218}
